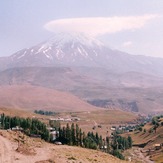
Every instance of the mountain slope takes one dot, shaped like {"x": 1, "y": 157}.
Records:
{"x": 61, "y": 78}
{"x": 130, "y": 91}
{"x": 32, "y": 97}
{"x": 79, "y": 50}
{"x": 35, "y": 150}
{"x": 88, "y": 69}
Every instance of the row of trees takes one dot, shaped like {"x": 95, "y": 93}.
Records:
{"x": 73, "y": 135}
{"x": 42, "y": 112}
{"x": 29, "y": 126}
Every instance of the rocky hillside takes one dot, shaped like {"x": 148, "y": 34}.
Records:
{"x": 35, "y": 150}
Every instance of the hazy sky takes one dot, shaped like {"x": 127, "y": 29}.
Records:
{"x": 133, "y": 26}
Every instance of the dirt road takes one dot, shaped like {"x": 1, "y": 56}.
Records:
{"x": 140, "y": 155}
{"x": 137, "y": 155}
{"x": 6, "y": 154}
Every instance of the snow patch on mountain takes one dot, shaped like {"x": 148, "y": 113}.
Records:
{"x": 80, "y": 50}
{"x": 63, "y": 38}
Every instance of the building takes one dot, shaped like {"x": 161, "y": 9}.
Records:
{"x": 54, "y": 135}
{"x": 17, "y": 128}
{"x": 158, "y": 146}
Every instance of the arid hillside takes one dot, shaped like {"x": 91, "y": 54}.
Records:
{"x": 34, "y": 150}
{"x": 131, "y": 91}
{"x": 150, "y": 140}
{"x": 31, "y": 97}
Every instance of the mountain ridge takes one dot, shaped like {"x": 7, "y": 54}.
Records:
{"x": 81, "y": 51}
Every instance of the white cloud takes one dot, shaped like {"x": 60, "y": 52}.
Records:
{"x": 99, "y": 25}
{"x": 127, "y": 44}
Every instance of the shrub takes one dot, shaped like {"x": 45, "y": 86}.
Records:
{"x": 118, "y": 154}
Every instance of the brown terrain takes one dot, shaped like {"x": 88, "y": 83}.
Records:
{"x": 89, "y": 120}
{"x": 132, "y": 91}
{"x": 20, "y": 148}
{"x": 145, "y": 142}
{"x": 33, "y": 97}
{"x": 101, "y": 120}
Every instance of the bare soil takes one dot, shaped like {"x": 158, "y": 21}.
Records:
{"x": 11, "y": 153}
{"x": 37, "y": 151}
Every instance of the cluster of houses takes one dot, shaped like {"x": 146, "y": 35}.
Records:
{"x": 124, "y": 128}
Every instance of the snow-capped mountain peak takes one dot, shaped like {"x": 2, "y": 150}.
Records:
{"x": 80, "y": 50}
{"x": 63, "y": 38}
{"x": 62, "y": 47}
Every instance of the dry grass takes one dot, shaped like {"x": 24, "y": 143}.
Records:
{"x": 104, "y": 118}
{"x": 108, "y": 116}
{"x": 80, "y": 155}
{"x": 54, "y": 153}
{"x": 151, "y": 139}
{"x": 17, "y": 112}
{"x": 158, "y": 158}
{"x": 29, "y": 97}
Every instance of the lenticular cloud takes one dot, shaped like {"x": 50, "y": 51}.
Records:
{"x": 98, "y": 25}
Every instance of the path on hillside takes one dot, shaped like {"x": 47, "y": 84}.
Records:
{"x": 139, "y": 155}
{"x": 9, "y": 155}
{"x": 5, "y": 151}
{"x": 95, "y": 123}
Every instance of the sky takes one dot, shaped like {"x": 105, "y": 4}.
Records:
{"x": 133, "y": 26}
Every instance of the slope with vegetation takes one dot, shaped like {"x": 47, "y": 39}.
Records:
{"x": 69, "y": 135}
{"x": 35, "y": 150}
{"x": 149, "y": 138}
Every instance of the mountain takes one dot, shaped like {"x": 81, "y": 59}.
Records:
{"x": 85, "y": 67}
{"x": 62, "y": 49}
{"x": 80, "y": 50}
{"x": 130, "y": 91}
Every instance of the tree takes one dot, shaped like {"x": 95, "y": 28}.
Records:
{"x": 3, "y": 120}
{"x": 108, "y": 144}
{"x": 118, "y": 154}
{"x": 156, "y": 126}
{"x": 73, "y": 137}
{"x": 97, "y": 138}
{"x": 129, "y": 141}
{"x": 68, "y": 134}
{"x": 54, "y": 124}
{"x": 140, "y": 128}
{"x": 77, "y": 135}
{"x": 80, "y": 138}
